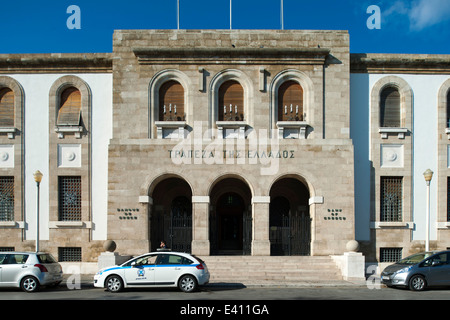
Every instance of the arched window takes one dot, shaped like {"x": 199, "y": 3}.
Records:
{"x": 448, "y": 110}
{"x": 171, "y": 102}
{"x": 231, "y": 101}
{"x": 390, "y": 113}
{"x": 290, "y": 101}
{"x": 6, "y": 107}
{"x": 69, "y": 112}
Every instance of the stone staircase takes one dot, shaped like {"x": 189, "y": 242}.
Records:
{"x": 273, "y": 269}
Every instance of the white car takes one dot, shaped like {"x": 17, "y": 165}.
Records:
{"x": 155, "y": 269}
{"x": 29, "y": 270}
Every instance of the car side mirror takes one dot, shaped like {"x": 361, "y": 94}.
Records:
{"x": 133, "y": 264}
{"x": 436, "y": 263}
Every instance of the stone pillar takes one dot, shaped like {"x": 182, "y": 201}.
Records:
{"x": 147, "y": 207}
{"x": 200, "y": 225}
{"x": 260, "y": 232}
{"x": 109, "y": 257}
{"x": 313, "y": 202}
{"x": 351, "y": 263}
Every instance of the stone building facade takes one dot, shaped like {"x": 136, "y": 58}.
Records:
{"x": 222, "y": 142}
{"x": 212, "y": 155}
{"x": 393, "y": 153}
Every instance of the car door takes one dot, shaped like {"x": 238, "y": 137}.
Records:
{"x": 13, "y": 267}
{"x": 439, "y": 270}
{"x": 3, "y": 258}
{"x": 141, "y": 272}
{"x": 168, "y": 269}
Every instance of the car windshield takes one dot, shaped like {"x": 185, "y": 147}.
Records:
{"x": 415, "y": 258}
{"x": 46, "y": 258}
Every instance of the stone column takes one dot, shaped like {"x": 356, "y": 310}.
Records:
{"x": 200, "y": 225}
{"x": 260, "y": 232}
{"x": 147, "y": 207}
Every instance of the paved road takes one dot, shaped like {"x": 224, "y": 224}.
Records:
{"x": 88, "y": 292}
{"x": 226, "y": 302}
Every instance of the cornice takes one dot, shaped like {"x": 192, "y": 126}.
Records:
{"x": 399, "y": 63}
{"x": 56, "y": 63}
{"x": 231, "y": 55}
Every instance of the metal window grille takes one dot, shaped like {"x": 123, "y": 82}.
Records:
{"x": 69, "y": 254}
{"x": 390, "y": 254}
{"x": 6, "y": 198}
{"x": 391, "y": 199}
{"x": 7, "y": 249}
{"x": 448, "y": 198}
{"x": 69, "y": 198}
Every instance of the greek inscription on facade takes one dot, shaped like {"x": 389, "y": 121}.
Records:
{"x": 250, "y": 154}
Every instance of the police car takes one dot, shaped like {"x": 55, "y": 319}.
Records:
{"x": 155, "y": 269}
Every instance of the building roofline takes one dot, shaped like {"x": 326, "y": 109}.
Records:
{"x": 399, "y": 63}
{"x": 56, "y": 63}
{"x": 376, "y": 63}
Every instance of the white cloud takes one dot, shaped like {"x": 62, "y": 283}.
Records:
{"x": 399, "y": 7}
{"x": 425, "y": 13}
{"x": 421, "y": 13}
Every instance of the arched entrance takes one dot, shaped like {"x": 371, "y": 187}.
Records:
{"x": 289, "y": 219}
{"x": 230, "y": 218}
{"x": 171, "y": 215}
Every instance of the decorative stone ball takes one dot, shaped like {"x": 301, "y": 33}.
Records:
{"x": 353, "y": 246}
{"x": 109, "y": 246}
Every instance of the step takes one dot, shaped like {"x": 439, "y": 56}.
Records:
{"x": 273, "y": 268}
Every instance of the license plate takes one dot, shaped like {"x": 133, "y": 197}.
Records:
{"x": 385, "y": 278}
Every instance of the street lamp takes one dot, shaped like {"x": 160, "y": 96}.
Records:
{"x": 38, "y": 178}
{"x": 428, "y": 174}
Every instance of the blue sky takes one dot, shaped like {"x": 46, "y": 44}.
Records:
{"x": 406, "y": 26}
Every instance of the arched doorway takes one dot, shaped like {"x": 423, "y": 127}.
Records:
{"x": 230, "y": 218}
{"x": 171, "y": 215}
{"x": 289, "y": 219}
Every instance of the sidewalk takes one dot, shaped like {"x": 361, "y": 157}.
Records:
{"x": 87, "y": 280}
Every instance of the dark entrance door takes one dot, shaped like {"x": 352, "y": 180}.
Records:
{"x": 173, "y": 227}
{"x": 290, "y": 230}
{"x": 180, "y": 230}
{"x": 230, "y": 209}
{"x": 230, "y": 226}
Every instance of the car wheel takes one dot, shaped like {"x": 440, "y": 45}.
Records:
{"x": 187, "y": 283}
{"x": 417, "y": 283}
{"x": 29, "y": 284}
{"x": 114, "y": 284}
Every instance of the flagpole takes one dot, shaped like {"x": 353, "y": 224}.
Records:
{"x": 282, "y": 15}
{"x": 178, "y": 14}
{"x": 231, "y": 14}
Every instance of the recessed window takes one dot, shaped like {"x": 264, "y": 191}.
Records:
{"x": 448, "y": 199}
{"x": 6, "y": 107}
{"x": 69, "y": 189}
{"x": 69, "y": 112}
{"x": 448, "y": 109}
{"x": 390, "y": 112}
{"x": 69, "y": 254}
{"x": 391, "y": 199}
{"x": 290, "y": 101}
{"x": 231, "y": 101}
{"x": 171, "y": 102}
{"x": 390, "y": 254}
{"x": 6, "y": 198}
